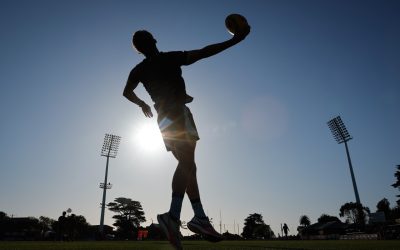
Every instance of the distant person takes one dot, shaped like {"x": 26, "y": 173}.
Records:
{"x": 71, "y": 226}
{"x": 161, "y": 75}
{"x": 62, "y": 224}
{"x": 285, "y": 229}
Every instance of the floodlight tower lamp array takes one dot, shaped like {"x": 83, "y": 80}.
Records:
{"x": 109, "y": 150}
{"x": 341, "y": 135}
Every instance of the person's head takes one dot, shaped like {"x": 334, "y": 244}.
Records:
{"x": 144, "y": 42}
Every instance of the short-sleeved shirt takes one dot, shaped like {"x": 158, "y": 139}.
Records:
{"x": 161, "y": 76}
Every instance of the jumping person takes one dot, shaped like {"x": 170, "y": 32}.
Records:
{"x": 161, "y": 75}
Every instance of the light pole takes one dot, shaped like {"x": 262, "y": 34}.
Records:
{"x": 109, "y": 149}
{"x": 341, "y": 135}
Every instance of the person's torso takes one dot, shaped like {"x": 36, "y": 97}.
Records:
{"x": 162, "y": 77}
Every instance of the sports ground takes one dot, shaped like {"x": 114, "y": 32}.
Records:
{"x": 234, "y": 245}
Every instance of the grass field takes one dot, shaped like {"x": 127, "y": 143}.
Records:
{"x": 202, "y": 245}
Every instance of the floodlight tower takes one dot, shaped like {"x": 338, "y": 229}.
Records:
{"x": 341, "y": 135}
{"x": 109, "y": 149}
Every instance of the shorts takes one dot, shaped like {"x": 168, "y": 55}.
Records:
{"x": 176, "y": 125}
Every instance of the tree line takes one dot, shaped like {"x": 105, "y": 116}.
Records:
{"x": 356, "y": 215}
{"x": 72, "y": 227}
{"x": 129, "y": 214}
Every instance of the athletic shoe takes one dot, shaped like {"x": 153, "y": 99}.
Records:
{"x": 171, "y": 229}
{"x": 203, "y": 227}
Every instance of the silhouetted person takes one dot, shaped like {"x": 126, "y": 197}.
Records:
{"x": 161, "y": 75}
{"x": 62, "y": 224}
{"x": 285, "y": 229}
{"x": 70, "y": 226}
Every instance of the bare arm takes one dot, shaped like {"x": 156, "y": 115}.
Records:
{"x": 129, "y": 93}
{"x": 213, "y": 49}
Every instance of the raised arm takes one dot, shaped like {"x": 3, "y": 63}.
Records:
{"x": 129, "y": 93}
{"x": 213, "y": 49}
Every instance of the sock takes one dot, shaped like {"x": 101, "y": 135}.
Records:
{"x": 176, "y": 206}
{"x": 198, "y": 208}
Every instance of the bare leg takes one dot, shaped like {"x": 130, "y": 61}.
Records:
{"x": 185, "y": 178}
{"x": 192, "y": 188}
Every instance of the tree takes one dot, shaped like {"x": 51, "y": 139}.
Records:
{"x": 27, "y": 228}
{"x": 46, "y": 223}
{"x": 3, "y": 223}
{"x": 76, "y": 226}
{"x": 129, "y": 215}
{"x": 3, "y": 216}
{"x": 255, "y": 228}
{"x": 304, "y": 221}
{"x": 395, "y": 213}
{"x": 397, "y": 183}
{"x": 324, "y": 218}
{"x": 72, "y": 227}
{"x": 354, "y": 212}
{"x": 384, "y": 206}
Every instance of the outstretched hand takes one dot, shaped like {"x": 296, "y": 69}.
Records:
{"x": 241, "y": 35}
{"x": 146, "y": 110}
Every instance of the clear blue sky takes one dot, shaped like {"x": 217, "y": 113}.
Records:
{"x": 261, "y": 107}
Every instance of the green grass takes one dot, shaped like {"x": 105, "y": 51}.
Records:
{"x": 202, "y": 245}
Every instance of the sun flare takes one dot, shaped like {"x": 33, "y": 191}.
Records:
{"x": 148, "y": 137}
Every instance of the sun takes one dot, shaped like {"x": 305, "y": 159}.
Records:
{"x": 148, "y": 137}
